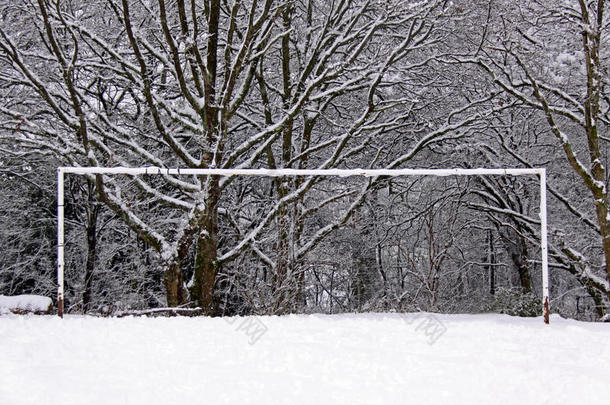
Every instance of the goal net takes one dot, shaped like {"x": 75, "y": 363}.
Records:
{"x": 321, "y": 274}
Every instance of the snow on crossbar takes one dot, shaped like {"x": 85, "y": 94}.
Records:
{"x": 134, "y": 171}
{"x": 301, "y": 172}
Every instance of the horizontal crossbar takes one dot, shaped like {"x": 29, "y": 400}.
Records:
{"x": 302, "y": 172}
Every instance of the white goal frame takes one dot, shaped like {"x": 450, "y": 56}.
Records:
{"x": 541, "y": 172}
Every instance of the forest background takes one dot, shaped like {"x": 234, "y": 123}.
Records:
{"x": 306, "y": 84}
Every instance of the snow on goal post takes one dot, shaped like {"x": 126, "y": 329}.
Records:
{"x": 541, "y": 172}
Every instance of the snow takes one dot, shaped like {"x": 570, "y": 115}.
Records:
{"x": 340, "y": 359}
{"x": 566, "y": 58}
{"x": 29, "y": 303}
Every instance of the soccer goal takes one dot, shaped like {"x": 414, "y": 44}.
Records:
{"x": 540, "y": 172}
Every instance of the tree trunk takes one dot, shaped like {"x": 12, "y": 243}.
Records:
{"x": 517, "y": 249}
{"x": 91, "y": 257}
{"x": 174, "y": 285}
{"x": 284, "y": 290}
{"x": 282, "y": 286}
{"x": 523, "y": 268}
{"x": 206, "y": 269}
{"x": 491, "y": 261}
{"x": 206, "y": 264}
{"x": 604, "y": 227}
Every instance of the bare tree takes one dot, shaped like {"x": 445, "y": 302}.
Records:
{"x": 551, "y": 58}
{"x": 189, "y": 84}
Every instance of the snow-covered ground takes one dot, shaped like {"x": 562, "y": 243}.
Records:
{"x": 341, "y": 359}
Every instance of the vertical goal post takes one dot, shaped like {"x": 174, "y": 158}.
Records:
{"x": 540, "y": 172}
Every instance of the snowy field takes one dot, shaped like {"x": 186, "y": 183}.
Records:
{"x": 341, "y": 359}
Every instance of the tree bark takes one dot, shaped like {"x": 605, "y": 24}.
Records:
{"x": 91, "y": 255}
{"x": 173, "y": 281}
{"x": 206, "y": 264}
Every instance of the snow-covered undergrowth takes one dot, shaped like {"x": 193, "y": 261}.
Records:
{"x": 341, "y": 359}
{"x": 25, "y": 303}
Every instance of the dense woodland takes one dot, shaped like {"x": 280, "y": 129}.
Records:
{"x": 306, "y": 84}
